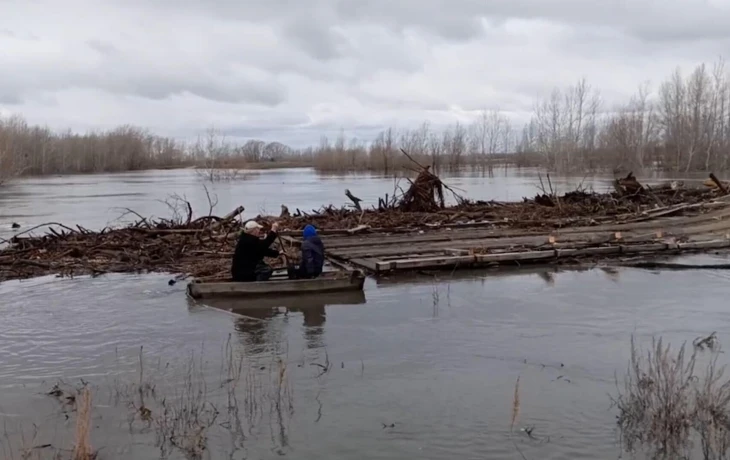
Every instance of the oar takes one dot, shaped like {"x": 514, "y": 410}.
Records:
{"x": 283, "y": 252}
{"x": 281, "y": 243}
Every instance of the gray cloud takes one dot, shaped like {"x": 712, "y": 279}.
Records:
{"x": 295, "y": 70}
{"x": 319, "y": 42}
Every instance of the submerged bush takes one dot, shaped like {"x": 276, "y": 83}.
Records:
{"x": 664, "y": 406}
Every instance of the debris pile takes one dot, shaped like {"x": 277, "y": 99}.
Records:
{"x": 426, "y": 194}
{"x": 202, "y": 247}
{"x": 419, "y": 207}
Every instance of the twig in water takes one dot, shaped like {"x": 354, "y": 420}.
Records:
{"x": 708, "y": 341}
{"x": 319, "y": 409}
{"x": 515, "y": 404}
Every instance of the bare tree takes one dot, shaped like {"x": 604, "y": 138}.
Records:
{"x": 214, "y": 153}
{"x": 491, "y": 127}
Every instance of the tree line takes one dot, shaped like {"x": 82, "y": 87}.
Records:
{"x": 683, "y": 125}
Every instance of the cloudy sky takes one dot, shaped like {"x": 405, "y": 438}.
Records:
{"x": 293, "y": 70}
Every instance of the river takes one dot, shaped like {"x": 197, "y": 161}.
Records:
{"x": 410, "y": 369}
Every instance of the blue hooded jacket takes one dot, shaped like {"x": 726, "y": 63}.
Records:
{"x": 312, "y": 252}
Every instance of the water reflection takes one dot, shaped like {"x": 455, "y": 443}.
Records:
{"x": 548, "y": 273}
{"x": 253, "y": 317}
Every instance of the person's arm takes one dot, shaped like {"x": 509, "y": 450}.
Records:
{"x": 271, "y": 252}
{"x": 271, "y": 236}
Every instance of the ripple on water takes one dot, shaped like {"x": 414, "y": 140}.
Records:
{"x": 73, "y": 326}
{"x": 444, "y": 375}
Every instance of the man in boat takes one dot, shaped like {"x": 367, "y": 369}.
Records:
{"x": 312, "y": 256}
{"x": 248, "y": 260}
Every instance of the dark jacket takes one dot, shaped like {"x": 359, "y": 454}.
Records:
{"x": 312, "y": 256}
{"x": 250, "y": 251}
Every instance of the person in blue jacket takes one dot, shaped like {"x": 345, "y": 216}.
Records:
{"x": 312, "y": 256}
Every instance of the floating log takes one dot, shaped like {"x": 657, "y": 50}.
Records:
{"x": 544, "y": 256}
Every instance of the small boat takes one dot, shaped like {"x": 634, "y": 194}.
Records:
{"x": 335, "y": 281}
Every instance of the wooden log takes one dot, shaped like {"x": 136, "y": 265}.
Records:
{"x": 596, "y": 251}
{"x": 712, "y": 244}
{"x": 718, "y": 183}
{"x": 516, "y": 256}
{"x": 430, "y": 262}
{"x": 358, "y": 229}
{"x": 653, "y": 247}
{"x": 443, "y": 235}
{"x": 355, "y": 200}
{"x": 364, "y": 263}
{"x": 457, "y": 251}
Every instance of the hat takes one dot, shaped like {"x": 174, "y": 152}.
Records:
{"x": 251, "y": 224}
{"x": 309, "y": 231}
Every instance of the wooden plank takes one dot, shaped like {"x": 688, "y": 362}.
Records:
{"x": 436, "y": 262}
{"x": 373, "y": 249}
{"x": 561, "y": 233}
{"x": 598, "y": 251}
{"x": 457, "y": 251}
{"x": 431, "y": 262}
{"x": 516, "y": 256}
{"x": 384, "y": 266}
{"x": 712, "y": 244}
{"x": 653, "y": 247}
{"x": 364, "y": 263}
{"x": 337, "y": 263}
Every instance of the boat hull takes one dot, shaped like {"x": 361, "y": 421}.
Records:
{"x": 327, "y": 282}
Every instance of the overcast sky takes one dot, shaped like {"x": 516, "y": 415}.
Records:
{"x": 292, "y": 70}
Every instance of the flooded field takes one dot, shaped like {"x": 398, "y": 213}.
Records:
{"x": 411, "y": 368}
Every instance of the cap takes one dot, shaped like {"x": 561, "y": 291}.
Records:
{"x": 252, "y": 224}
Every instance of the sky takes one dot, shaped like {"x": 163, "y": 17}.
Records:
{"x": 292, "y": 71}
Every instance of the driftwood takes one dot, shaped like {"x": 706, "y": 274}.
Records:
{"x": 719, "y": 184}
{"x": 202, "y": 246}
{"x": 198, "y": 247}
{"x": 355, "y": 200}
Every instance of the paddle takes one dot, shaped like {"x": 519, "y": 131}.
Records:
{"x": 281, "y": 243}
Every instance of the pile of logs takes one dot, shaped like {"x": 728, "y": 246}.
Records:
{"x": 201, "y": 247}
{"x": 426, "y": 194}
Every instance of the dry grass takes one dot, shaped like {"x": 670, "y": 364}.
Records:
{"x": 184, "y": 418}
{"x": 656, "y": 406}
{"x": 183, "y": 415}
{"x": 712, "y": 412}
{"x": 82, "y": 444}
{"x": 665, "y": 405}
{"x": 515, "y": 405}
{"x": 175, "y": 408}
{"x": 76, "y": 410}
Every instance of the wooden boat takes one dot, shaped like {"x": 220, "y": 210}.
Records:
{"x": 335, "y": 281}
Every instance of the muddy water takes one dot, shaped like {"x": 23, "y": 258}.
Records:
{"x": 414, "y": 369}
{"x": 99, "y": 200}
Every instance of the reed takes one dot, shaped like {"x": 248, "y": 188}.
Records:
{"x": 665, "y": 404}
{"x": 82, "y": 444}
{"x": 515, "y": 404}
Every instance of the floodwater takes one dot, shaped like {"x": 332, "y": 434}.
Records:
{"x": 411, "y": 368}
